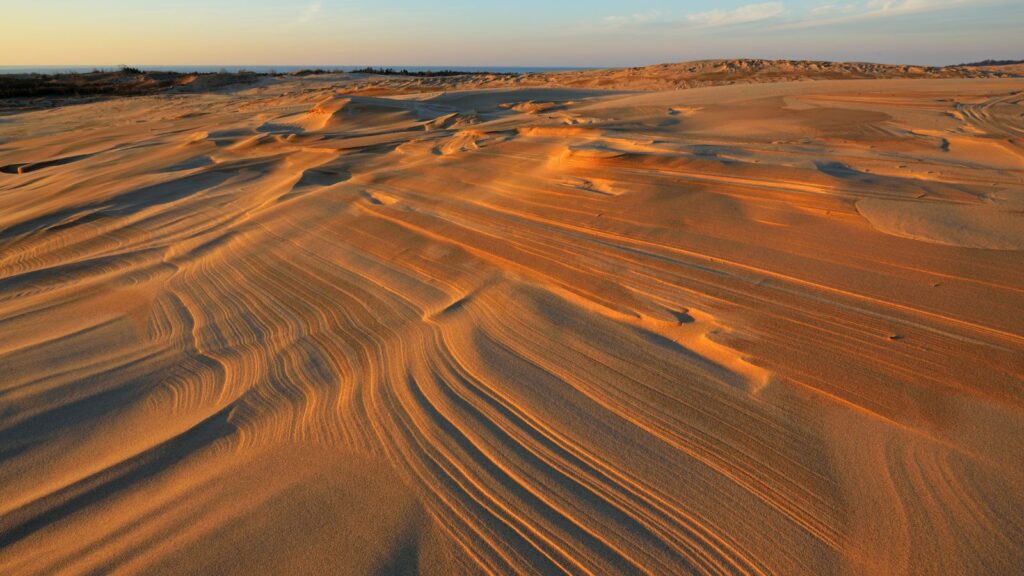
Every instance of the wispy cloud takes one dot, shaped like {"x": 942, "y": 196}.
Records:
{"x": 710, "y": 19}
{"x": 826, "y": 10}
{"x": 776, "y": 16}
{"x": 834, "y": 14}
{"x": 741, "y": 15}
{"x": 309, "y": 12}
{"x": 633, "y": 19}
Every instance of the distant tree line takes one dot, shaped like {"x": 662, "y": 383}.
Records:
{"x": 76, "y": 85}
{"x": 129, "y": 80}
{"x": 396, "y": 72}
{"x": 426, "y": 73}
{"x": 993, "y": 63}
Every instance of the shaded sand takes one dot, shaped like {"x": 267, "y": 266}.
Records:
{"x": 757, "y": 329}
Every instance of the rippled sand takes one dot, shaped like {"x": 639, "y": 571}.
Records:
{"x": 762, "y": 329}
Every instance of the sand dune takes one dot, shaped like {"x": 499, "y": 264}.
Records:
{"x": 694, "y": 74}
{"x": 751, "y": 329}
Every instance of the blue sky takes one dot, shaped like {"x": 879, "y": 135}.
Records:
{"x": 504, "y": 33}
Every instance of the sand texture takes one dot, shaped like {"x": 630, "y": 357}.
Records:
{"x": 768, "y": 328}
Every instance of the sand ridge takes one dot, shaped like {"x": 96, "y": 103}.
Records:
{"x": 677, "y": 75}
{"x": 758, "y": 329}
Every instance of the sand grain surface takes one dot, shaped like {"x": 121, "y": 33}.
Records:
{"x": 754, "y": 329}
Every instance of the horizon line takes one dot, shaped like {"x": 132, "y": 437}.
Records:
{"x": 483, "y": 66}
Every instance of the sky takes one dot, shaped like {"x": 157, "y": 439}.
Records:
{"x": 503, "y": 33}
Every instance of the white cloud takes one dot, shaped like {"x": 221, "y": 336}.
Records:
{"x": 633, "y": 19}
{"x": 831, "y": 14}
{"x": 741, "y": 15}
{"x": 309, "y": 12}
{"x": 832, "y": 9}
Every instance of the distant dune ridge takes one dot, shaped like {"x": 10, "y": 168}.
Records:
{"x": 582, "y": 323}
{"x": 685, "y": 75}
{"x": 132, "y": 81}
{"x": 717, "y": 72}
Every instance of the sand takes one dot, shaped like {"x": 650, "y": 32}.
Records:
{"x": 659, "y": 77}
{"x": 752, "y": 329}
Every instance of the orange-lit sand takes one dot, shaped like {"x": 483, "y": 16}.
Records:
{"x": 756, "y": 329}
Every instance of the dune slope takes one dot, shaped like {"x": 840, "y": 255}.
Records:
{"x": 758, "y": 329}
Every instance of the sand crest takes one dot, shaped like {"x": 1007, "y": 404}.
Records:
{"x": 771, "y": 328}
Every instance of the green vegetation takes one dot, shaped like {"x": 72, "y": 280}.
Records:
{"x": 73, "y": 85}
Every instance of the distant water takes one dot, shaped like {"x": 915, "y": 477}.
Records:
{"x": 264, "y": 69}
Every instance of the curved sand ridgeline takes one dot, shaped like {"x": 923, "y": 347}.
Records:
{"x": 293, "y": 329}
